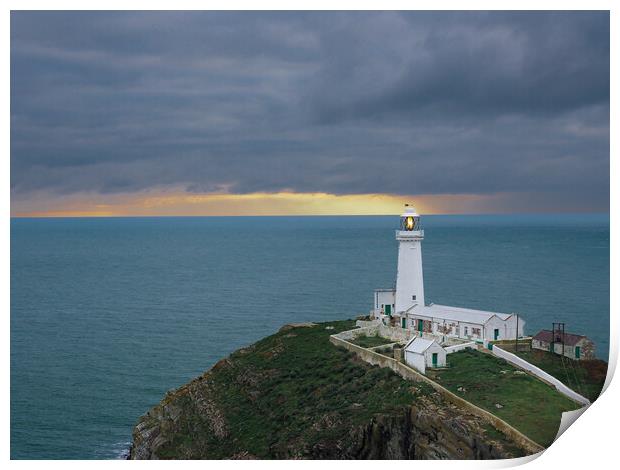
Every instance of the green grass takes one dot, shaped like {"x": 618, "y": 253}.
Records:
{"x": 531, "y": 406}
{"x": 585, "y": 377}
{"x": 276, "y": 394}
{"x": 292, "y": 391}
{"x": 308, "y": 380}
{"x": 371, "y": 341}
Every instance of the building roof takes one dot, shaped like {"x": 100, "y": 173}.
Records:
{"x": 419, "y": 345}
{"x": 444, "y": 312}
{"x": 569, "y": 338}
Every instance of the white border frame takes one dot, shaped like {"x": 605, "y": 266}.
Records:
{"x": 589, "y": 443}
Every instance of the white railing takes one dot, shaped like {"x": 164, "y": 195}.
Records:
{"x": 410, "y": 233}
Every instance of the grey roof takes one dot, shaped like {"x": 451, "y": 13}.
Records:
{"x": 444, "y": 312}
{"x": 419, "y": 345}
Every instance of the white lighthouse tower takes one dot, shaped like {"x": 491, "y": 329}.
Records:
{"x": 409, "y": 277}
{"x": 405, "y": 306}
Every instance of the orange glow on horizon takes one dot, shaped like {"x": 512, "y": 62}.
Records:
{"x": 180, "y": 203}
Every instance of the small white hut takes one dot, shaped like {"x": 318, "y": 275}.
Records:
{"x": 421, "y": 353}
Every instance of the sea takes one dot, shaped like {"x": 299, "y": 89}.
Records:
{"x": 107, "y": 314}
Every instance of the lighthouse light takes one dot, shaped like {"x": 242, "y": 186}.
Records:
{"x": 409, "y": 223}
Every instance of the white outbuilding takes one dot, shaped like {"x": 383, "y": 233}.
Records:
{"x": 463, "y": 323}
{"x": 421, "y": 353}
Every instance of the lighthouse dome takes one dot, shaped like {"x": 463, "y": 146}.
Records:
{"x": 410, "y": 211}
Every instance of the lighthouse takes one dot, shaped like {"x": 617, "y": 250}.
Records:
{"x": 404, "y": 305}
{"x": 409, "y": 276}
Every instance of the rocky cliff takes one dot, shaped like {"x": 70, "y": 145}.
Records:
{"x": 295, "y": 395}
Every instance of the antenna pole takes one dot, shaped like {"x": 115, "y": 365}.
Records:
{"x": 517, "y": 336}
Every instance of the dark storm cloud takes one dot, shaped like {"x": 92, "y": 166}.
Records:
{"x": 339, "y": 102}
{"x": 489, "y": 65}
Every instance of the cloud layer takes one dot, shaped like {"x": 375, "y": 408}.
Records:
{"x": 340, "y": 103}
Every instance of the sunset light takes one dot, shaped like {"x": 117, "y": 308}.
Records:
{"x": 284, "y": 203}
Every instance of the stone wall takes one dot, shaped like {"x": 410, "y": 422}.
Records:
{"x": 398, "y": 335}
{"x": 401, "y": 335}
{"x": 367, "y": 323}
{"x": 398, "y": 354}
{"x": 406, "y": 372}
{"x": 384, "y": 348}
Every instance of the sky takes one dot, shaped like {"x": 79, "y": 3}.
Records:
{"x": 275, "y": 113}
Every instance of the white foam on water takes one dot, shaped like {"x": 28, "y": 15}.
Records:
{"x": 121, "y": 450}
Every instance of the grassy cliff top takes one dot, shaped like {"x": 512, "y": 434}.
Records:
{"x": 295, "y": 395}
{"x": 528, "y": 404}
{"x": 297, "y": 375}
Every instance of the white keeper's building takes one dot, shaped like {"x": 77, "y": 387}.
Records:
{"x": 421, "y": 353}
{"x": 405, "y": 305}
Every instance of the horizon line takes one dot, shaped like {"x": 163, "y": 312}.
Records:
{"x": 136, "y": 216}
{"x": 178, "y": 203}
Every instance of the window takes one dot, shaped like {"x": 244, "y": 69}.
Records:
{"x": 413, "y": 297}
{"x": 466, "y": 332}
{"x": 475, "y": 331}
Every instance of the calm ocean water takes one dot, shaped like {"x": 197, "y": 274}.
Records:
{"x": 109, "y": 314}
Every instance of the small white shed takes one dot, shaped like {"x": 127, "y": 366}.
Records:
{"x": 421, "y": 353}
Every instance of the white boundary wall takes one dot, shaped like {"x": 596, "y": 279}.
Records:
{"x": 460, "y": 347}
{"x": 523, "y": 364}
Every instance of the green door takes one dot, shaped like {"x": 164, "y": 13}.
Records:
{"x": 434, "y": 359}
{"x": 420, "y": 326}
{"x": 404, "y": 322}
{"x": 577, "y": 352}
{"x": 388, "y": 309}
{"x": 496, "y": 333}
